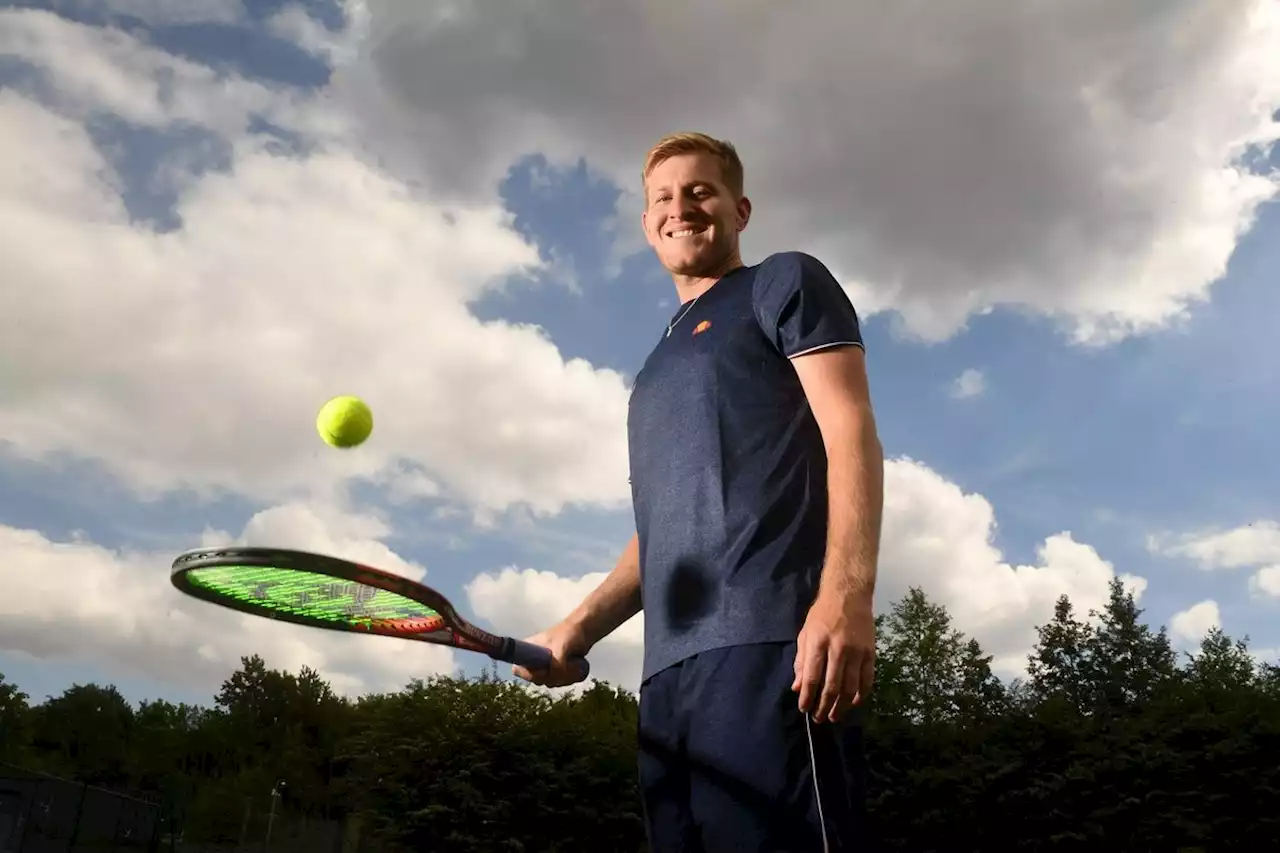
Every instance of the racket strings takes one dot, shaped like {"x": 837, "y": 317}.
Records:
{"x": 316, "y": 596}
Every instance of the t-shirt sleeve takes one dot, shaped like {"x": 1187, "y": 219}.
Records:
{"x": 801, "y": 307}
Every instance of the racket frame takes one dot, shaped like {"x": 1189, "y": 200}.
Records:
{"x": 449, "y": 628}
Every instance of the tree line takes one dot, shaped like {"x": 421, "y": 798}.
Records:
{"x": 1112, "y": 741}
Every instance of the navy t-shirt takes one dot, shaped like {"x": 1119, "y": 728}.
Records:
{"x": 728, "y": 468}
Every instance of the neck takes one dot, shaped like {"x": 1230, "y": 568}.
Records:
{"x": 690, "y": 287}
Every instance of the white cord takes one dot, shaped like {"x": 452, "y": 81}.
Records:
{"x": 817, "y": 792}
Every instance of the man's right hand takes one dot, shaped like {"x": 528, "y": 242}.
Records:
{"x": 565, "y": 642}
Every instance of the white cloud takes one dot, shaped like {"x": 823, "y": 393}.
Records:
{"x": 198, "y": 357}
{"x": 970, "y": 383}
{"x": 1269, "y": 656}
{"x": 75, "y": 600}
{"x": 1191, "y": 625}
{"x": 1266, "y": 582}
{"x": 525, "y": 601}
{"x": 1247, "y": 545}
{"x": 1255, "y": 545}
{"x": 115, "y": 73}
{"x": 322, "y": 528}
{"x": 293, "y": 24}
{"x": 1079, "y": 159}
{"x": 935, "y": 536}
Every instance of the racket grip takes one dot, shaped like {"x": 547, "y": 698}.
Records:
{"x": 535, "y": 658}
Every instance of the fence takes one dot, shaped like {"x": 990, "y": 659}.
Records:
{"x": 45, "y": 814}
{"x": 265, "y": 829}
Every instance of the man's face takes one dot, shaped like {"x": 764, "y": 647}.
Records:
{"x": 692, "y": 219}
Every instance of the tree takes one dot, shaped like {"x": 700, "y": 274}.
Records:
{"x": 1109, "y": 744}
{"x": 927, "y": 671}
{"x": 1129, "y": 663}
{"x": 1116, "y": 663}
{"x": 86, "y": 733}
{"x": 1223, "y": 666}
{"x": 14, "y": 721}
{"x": 1059, "y": 667}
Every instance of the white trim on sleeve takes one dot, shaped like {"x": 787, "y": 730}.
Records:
{"x": 857, "y": 344}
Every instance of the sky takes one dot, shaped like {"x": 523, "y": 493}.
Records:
{"x": 1057, "y": 222}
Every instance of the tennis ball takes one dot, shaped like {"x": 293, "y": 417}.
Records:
{"x": 344, "y": 421}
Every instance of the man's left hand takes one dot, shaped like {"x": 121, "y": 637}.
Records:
{"x": 835, "y": 656}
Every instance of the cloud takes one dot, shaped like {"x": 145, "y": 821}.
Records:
{"x": 197, "y": 357}
{"x": 1191, "y": 625}
{"x": 1266, "y": 582}
{"x": 1246, "y": 545}
{"x": 293, "y": 24}
{"x": 970, "y": 383}
{"x": 116, "y": 73}
{"x": 1254, "y": 545}
{"x": 1087, "y": 161}
{"x": 322, "y": 528}
{"x": 75, "y": 600}
{"x": 525, "y": 601}
{"x": 936, "y": 537}
{"x": 163, "y": 12}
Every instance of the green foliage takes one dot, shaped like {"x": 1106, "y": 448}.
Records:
{"x": 15, "y": 720}
{"x": 1110, "y": 742}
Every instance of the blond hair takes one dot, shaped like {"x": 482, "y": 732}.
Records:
{"x": 694, "y": 143}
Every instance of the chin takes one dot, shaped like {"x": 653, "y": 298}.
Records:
{"x": 690, "y": 263}
{"x": 683, "y": 266}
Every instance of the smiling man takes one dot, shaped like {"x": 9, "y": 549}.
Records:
{"x": 756, "y": 476}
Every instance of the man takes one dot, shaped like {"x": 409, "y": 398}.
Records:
{"x": 756, "y": 479}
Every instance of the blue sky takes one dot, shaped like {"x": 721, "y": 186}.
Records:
{"x": 1138, "y": 448}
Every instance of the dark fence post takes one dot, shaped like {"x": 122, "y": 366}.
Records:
{"x": 75, "y": 826}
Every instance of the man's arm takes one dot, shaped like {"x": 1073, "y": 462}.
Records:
{"x": 835, "y": 655}
{"x": 835, "y": 382}
{"x": 613, "y": 602}
{"x": 602, "y": 612}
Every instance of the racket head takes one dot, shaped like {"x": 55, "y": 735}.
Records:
{"x": 321, "y": 592}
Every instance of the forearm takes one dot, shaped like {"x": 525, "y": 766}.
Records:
{"x": 855, "y": 489}
{"x": 614, "y": 601}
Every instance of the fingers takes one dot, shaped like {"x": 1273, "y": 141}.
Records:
{"x": 866, "y": 678}
{"x": 556, "y": 676}
{"x": 798, "y": 666}
{"x": 810, "y": 672}
{"x": 844, "y": 683}
{"x": 831, "y": 679}
{"x": 564, "y": 668}
{"x": 559, "y": 674}
{"x": 527, "y": 675}
{"x": 819, "y": 678}
{"x": 539, "y": 677}
{"x": 832, "y": 684}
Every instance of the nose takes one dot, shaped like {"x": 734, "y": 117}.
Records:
{"x": 684, "y": 206}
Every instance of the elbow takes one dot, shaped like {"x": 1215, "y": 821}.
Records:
{"x": 858, "y": 447}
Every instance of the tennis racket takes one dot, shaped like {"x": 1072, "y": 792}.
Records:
{"x": 326, "y": 592}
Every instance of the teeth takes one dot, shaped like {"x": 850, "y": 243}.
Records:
{"x": 688, "y": 232}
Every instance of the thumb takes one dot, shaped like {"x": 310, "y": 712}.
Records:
{"x": 795, "y": 665}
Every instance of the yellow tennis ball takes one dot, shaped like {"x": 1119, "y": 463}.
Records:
{"x": 344, "y": 421}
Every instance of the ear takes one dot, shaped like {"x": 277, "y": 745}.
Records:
{"x": 744, "y": 212}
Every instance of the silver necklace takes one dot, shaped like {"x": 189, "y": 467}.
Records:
{"x": 673, "y": 323}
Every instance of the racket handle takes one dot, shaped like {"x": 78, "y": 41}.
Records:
{"x": 535, "y": 658}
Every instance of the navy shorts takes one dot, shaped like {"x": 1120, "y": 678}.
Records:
{"x": 729, "y": 764}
